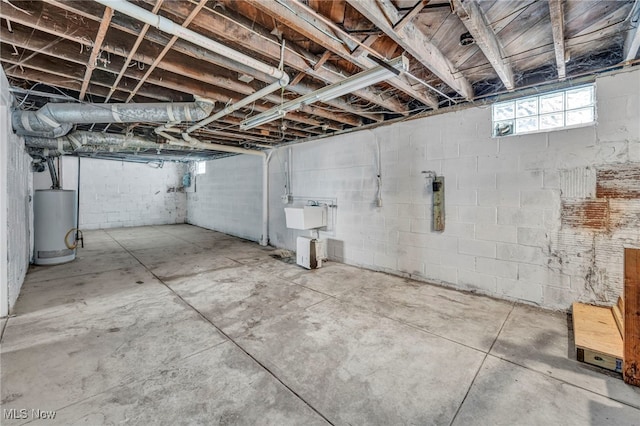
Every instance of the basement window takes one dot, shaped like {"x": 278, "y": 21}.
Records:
{"x": 201, "y": 167}
{"x": 550, "y": 111}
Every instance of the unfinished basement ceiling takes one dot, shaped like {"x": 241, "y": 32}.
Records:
{"x": 84, "y": 51}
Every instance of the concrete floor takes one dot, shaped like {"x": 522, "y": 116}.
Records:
{"x": 182, "y": 325}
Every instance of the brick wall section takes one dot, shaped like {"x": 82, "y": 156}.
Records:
{"x": 228, "y": 197}
{"x": 503, "y": 234}
{"x": 116, "y": 194}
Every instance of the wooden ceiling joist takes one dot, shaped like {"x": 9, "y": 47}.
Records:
{"x": 64, "y": 82}
{"x": 82, "y": 48}
{"x": 473, "y": 18}
{"x": 71, "y": 52}
{"x": 410, "y": 15}
{"x": 167, "y": 47}
{"x": 262, "y": 43}
{"x": 384, "y": 15}
{"x": 632, "y": 41}
{"x": 123, "y": 24}
{"x": 95, "y": 50}
{"x": 556, "y": 12}
{"x": 303, "y": 20}
{"x": 134, "y": 49}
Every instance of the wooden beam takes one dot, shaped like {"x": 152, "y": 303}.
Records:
{"x": 167, "y": 48}
{"x": 306, "y": 21}
{"x": 473, "y": 18}
{"x": 556, "y": 13}
{"x": 632, "y": 42}
{"x": 384, "y": 15}
{"x": 174, "y": 83}
{"x": 63, "y": 82}
{"x": 133, "y": 51}
{"x": 325, "y": 56}
{"x": 97, "y": 46}
{"x": 186, "y": 67}
{"x": 360, "y": 50}
{"x": 245, "y": 33}
{"x": 297, "y": 79}
{"x": 410, "y": 15}
{"x": 631, "y": 363}
{"x": 226, "y": 27}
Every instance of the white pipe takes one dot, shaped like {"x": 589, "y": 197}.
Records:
{"x": 171, "y": 27}
{"x": 241, "y": 103}
{"x": 266, "y": 156}
{"x": 168, "y": 26}
{"x": 195, "y": 143}
{"x": 265, "y": 200}
{"x": 289, "y": 174}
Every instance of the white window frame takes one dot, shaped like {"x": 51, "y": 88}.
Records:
{"x": 200, "y": 168}
{"x": 514, "y": 119}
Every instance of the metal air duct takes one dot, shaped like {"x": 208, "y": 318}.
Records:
{"x": 55, "y": 120}
{"x": 78, "y": 141}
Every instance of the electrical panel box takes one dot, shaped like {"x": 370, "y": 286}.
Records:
{"x": 309, "y": 252}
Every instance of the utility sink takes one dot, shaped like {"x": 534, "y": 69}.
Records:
{"x": 306, "y": 217}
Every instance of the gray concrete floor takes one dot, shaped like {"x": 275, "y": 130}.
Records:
{"x": 182, "y": 325}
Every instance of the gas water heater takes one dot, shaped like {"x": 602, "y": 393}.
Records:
{"x": 54, "y": 214}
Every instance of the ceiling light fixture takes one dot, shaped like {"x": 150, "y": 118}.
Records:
{"x": 350, "y": 84}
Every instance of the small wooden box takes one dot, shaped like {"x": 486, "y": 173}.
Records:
{"x": 597, "y": 337}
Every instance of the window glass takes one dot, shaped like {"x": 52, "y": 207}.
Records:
{"x": 556, "y": 110}
{"x": 551, "y": 121}
{"x": 580, "y": 116}
{"x": 201, "y": 167}
{"x": 580, "y": 97}
{"x": 527, "y": 124}
{"x": 503, "y": 111}
{"x": 552, "y": 103}
{"x": 527, "y": 107}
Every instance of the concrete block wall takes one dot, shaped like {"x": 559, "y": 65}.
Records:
{"x": 508, "y": 232}
{"x": 116, "y": 194}
{"x": 228, "y": 197}
{"x": 15, "y": 205}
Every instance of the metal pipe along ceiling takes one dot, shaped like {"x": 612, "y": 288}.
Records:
{"x": 177, "y": 30}
{"x": 168, "y": 26}
{"x": 54, "y": 120}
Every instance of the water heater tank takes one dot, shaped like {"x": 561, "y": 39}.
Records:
{"x": 54, "y": 213}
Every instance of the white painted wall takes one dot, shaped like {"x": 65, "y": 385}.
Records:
{"x": 117, "y": 194}
{"x": 15, "y": 206}
{"x": 504, "y": 235}
{"x": 228, "y": 197}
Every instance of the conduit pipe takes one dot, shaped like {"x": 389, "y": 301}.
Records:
{"x": 282, "y": 82}
{"x": 195, "y": 143}
{"x": 242, "y": 103}
{"x": 266, "y": 156}
{"x": 264, "y": 241}
{"x": 168, "y": 26}
{"x": 55, "y": 120}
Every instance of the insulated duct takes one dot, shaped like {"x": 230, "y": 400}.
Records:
{"x": 55, "y": 120}
{"x": 88, "y": 141}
